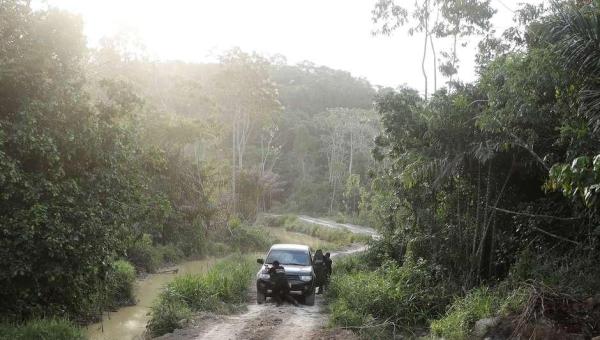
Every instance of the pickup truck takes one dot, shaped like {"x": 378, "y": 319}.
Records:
{"x": 296, "y": 259}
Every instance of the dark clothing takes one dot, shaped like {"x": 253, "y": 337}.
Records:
{"x": 281, "y": 286}
{"x": 328, "y": 264}
{"x": 320, "y": 270}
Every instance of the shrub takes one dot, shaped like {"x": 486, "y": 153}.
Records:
{"x": 47, "y": 329}
{"x": 121, "y": 279}
{"x": 344, "y": 316}
{"x": 144, "y": 256}
{"x": 351, "y": 264}
{"x": 218, "y": 249}
{"x": 245, "y": 239}
{"x": 168, "y": 314}
{"x": 220, "y": 289}
{"x": 465, "y": 311}
{"x": 170, "y": 253}
{"x": 407, "y": 295}
{"x": 567, "y": 272}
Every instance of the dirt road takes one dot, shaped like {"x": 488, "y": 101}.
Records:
{"x": 267, "y": 321}
{"x": 357, "y": 229}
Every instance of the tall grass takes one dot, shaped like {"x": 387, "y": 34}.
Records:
{"x": 47, "y": 329}
{"x": 222, "y": 289}
{"x": 407, "y": 296}
{"x": 464, "y": 312}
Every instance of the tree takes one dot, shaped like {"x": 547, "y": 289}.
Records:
{"x": 457, "y": 19}
{"x": 247, "y": 98}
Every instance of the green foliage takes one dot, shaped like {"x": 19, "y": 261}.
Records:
{"x": 462, "y": 173}
{"x": 246, "y": 239}
{"x": 71, "y": 174}
{"x": 480, "y": 303}
{"x": 48, "y": 329}
{"x": 170, "y": 253}
{"x": 168, "y": 314}
{"x": 579, "y": 180}
{"x": 407, "y": 295}
{"x": 119, "y": 283}
{"x": 352, "y": 264}
{"x": 221, "y": 289}
{"x": 567, "y": 272}
{"x": 144, "y": 255}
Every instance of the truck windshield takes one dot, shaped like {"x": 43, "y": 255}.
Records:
{"x": 285, "y": 256}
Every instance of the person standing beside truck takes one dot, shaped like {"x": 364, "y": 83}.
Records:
{"x": 320, "y": 271}
{"x": 328, "y": 267}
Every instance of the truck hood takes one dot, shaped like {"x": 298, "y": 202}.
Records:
{"x": 290, "y": 269}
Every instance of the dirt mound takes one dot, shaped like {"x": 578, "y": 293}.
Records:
{"x": 552, "y": 315}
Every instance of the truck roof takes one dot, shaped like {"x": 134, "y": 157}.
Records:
{"x": 286, "y": 246}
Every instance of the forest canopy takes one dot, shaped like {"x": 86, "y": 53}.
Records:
{"x": 105, "y": 154}
{"x": 484, "y": 193}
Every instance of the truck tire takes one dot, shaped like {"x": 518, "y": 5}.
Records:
{"x": 309, "y": 299}
{"x": 260, "y": 297}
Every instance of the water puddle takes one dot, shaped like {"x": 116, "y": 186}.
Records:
{"x": 130, "y": 322}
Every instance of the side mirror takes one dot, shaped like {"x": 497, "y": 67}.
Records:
{"x": 261, "y": 261}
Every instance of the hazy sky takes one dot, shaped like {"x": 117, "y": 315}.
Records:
{"x": 335, "y": 33}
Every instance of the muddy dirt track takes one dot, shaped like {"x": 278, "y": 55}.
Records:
{"x": 267, "y": 321}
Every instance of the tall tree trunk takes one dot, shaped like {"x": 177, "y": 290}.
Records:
{"x": 423, "y": 63}
{"x": 233, "y": 162}
{"x": 333, "y": 196}
{"x": 351, "y": 153}
{"x": 434, "y": 63}
{"x": 426, "y": 33}
{"x": 485, "y": 220}
{"x": 454, "y": 57}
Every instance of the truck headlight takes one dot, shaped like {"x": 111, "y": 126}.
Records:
{"x": 305, "y": 278}
{"x": 264, "y": 276}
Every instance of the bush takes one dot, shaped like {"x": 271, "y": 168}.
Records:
{"x": 144, "y": 256}
{"x": 47, "y": 329}
{"x": 480, "y": 303}
{"x": 246, "y": 239}
{"x": 168, "y": 314}
{"x": 170, "y": 254}
{"x": 351, "y": 264}
{"x": 407, "y": 295}
{"x": 220, "y": 289}
{"x": 121, "y": 279}
{"x": 566, "y": 272}
{"x": 218, "y": 249}
{"x": 344, "y": 316}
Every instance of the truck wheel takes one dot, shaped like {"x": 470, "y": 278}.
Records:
{"x": 260, "y": 297}
{"x": 309, "y": 299}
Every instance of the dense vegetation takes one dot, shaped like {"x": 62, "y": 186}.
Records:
{"x": 112, "y": 164}
{"x": 490, "y": 184}
{"x": 223, "y": 289}
{"x": 485, "y": 194}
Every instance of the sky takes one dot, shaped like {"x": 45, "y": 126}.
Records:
{"x": 334, "y": 33}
